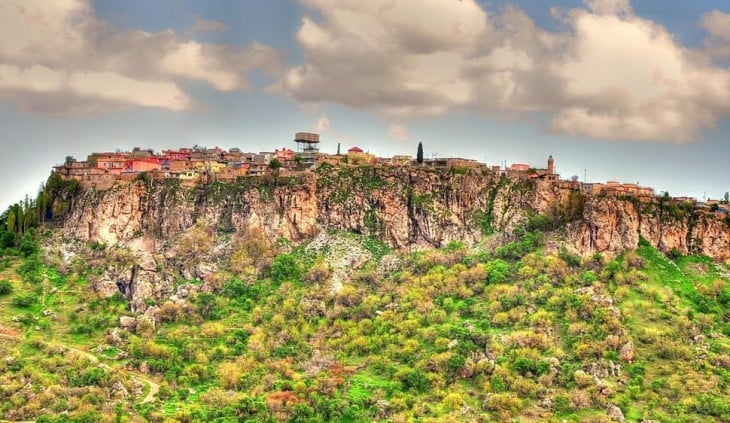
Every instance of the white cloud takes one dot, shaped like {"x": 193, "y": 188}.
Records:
{"x": 56, "y": 57}
{"x": 610, "y": 7}
{"x": 204, "y": 25}
{"x": 403, "y": 57}
{"x": 627, "y": 78}
{"x": 717, "y": 23}
{"x": 322, "y": 124}
{"x": 614, "y": 75}
{"x": 398, "y": 132}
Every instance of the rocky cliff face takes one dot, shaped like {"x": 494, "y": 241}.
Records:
{"x": 167, "y": 230}
{"x": 408, "y": 208}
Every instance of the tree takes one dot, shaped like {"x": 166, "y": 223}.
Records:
{"x": 419, "y": 154}
{"x": 275, "y": 164}
{"x": 338, "y": 149}
{"x": 726, "y": 198}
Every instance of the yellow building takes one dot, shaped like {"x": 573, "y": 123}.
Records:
{"x": 356, "y": 156}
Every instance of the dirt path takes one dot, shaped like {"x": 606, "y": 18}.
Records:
{"x": 154, "y": 388}
{"x": 9, "y": 333}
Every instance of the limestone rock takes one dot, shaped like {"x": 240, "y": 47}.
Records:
{"x": 302, "y": 210}
{"x": 115, "y": 337}
{"x": 627, "y": 352}
{"x": 118, "y": 391}
{"x": 151, "y": 220}
{"x": 127, "y": 322}
{"x": 146, "y": 321}
{"x": 106, "y": 287}
{"x": 320, "y": 361}
{"x": 615, "y": 413}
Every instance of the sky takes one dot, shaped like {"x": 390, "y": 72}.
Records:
{"x": 613, "y": 89}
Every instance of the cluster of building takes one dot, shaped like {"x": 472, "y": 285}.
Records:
{"x": 617, "y": 189}
{"x": 212, "y": 164}
{"x": 216, "y": 164}
{"x": 189, "y": 164}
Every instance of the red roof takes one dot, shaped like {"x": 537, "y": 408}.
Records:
{"x": 355, "y": 150}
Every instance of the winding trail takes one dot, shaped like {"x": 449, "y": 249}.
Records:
{"x": 154, "y": 388}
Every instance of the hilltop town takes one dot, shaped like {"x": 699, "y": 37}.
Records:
{"x": 200, "y": 164}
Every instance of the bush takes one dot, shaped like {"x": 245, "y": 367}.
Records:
{"x": 28, "y": 246}
{"x": 7, "y": 239}
{"x": 674, "y": 254}
{"x": 713, "y": 405}
{"x": 207, "y": 305}
{"x": 415, "y": 380}
{"x": 25, "y": 300}
{"x": 503, "y": 404}
{"x": 5, "y": 287}
{"x": 285, "y": 267}
{"x": 94, "y": 376}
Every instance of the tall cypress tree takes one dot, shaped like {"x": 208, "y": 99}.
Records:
{"x": 419, "y": 154}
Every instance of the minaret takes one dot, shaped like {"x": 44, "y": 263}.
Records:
{"x": 551, "y": 165}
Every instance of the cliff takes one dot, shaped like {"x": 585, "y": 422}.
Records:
{"x": 407, "y": 208}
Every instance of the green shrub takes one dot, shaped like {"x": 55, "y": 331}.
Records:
{"x": 285, "y": 267}
{"x": 504, "y": 404}
{"x": 5, "y": 287}
{"x": 497, "y": 384}
{"x": 415, "y": 380}
{"x": 561, "y": 405}
{"x": 31, "y": 270}
{"x": 674, "y": 254}
{"x": 28, "y": 246}
{"x": 207, "y": 305}
{"x": 713, "y": 405}
{"x": 93, "y": 376}
{"x": 25, "y": 300}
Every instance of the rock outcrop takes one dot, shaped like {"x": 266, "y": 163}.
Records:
{"x": 145, "y": 235}
{"x": 407, "y": 208}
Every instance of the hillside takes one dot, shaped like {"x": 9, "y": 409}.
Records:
{"x": 345, "y": 329}
{"x": 362, "y": 294}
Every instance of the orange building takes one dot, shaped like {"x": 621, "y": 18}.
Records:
{"x": 143, "y": 164}
{"x": 113, "y": 163}
{"x": 285, "y": 156}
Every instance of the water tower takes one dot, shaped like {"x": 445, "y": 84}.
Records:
{"x": 307, "y": 146}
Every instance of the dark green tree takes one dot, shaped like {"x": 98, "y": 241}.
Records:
{"x": 419, "y": 154}
{"x": 275, "y": 164}
{"x": 338, "y": 149}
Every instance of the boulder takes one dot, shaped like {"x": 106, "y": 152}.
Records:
{"x": 615, "y": 413}
{"x": 115, "y": 337}
{"x": 118, "y": 391}
{"x": 128, "y": 322}
{"x": 627, "y": 352}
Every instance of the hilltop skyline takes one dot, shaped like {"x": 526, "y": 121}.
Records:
{"x": 634, "y": 92}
